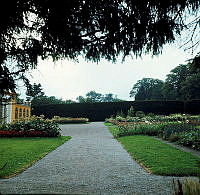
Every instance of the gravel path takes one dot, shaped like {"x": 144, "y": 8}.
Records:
{"x": 92, "y": 162}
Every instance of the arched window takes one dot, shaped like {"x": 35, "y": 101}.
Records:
{"x": 16, "y": 113}
{"x": 24, "y": 113}
{"x": 20, "y": 113}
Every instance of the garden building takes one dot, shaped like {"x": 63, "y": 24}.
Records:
{"x": 11, "y": 111}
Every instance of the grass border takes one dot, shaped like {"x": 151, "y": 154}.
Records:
{"x": 17, "y": 158}
{"x": 168, "y": 157}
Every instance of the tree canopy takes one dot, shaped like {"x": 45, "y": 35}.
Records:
{"x": 173, "y": 83}
{"x": 182, "y": 83}
{"x": 94, "y": 29}
{"x": 93, "y": 96}
{"x": 147, "y": 89}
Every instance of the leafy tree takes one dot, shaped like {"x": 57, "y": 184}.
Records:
{"x": 37, "y": 96}
{"x": 81, "y": 99}
{"x": 19, "y": 100}
{"x": 94, "y": 29}
{"x": 93, "y": 96}
{"x": 45, "y": 100}
{"x": 173, "y": 82}
{"x": 34, "y": 91}
{"x": 110, "y": 98}
{"x": 69, "y": 102}
{"x": 147, "y": 89}
{"x": 191, "y": 87}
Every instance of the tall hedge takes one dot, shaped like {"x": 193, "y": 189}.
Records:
{"x": 100, "y": 111}
{"x": 192, "y": 107}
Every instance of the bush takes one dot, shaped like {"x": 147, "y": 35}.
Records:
{"x": 174, "y": 137}
{"x": 133, "y": 119}
{"x": 120, "y": 119}
{"x": 35, "y": 127}
{"x": 120, "y": 114}
{"x": 190, "y": 139}
{"x": 151, "y": 114}
{"x": 125, "y": 129}
{"x": 131, "y": 112}
{"x": 139, "y": 114}
{"x": 63, "y": 120}
{"x": 176, "y": 128}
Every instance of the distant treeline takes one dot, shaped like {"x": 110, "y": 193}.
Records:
{"x": 101, "y": 110}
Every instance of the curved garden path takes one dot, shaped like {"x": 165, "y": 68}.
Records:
{"x": 92, "y": 162}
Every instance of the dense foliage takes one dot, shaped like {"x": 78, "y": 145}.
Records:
{"x": 95, "y": 29}
{"x": 181, "y": 84}
{"x": 147, "y": 89}
{"x": 93, "y": 96}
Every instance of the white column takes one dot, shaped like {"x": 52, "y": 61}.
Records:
{"x": 9, "y": 112}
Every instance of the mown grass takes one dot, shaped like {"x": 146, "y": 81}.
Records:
{"x": 20, "y": 153}
{"x": 157, "y": 157}
{"x": 160, "y": 158}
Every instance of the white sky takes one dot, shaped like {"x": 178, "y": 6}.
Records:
{"x": 67, "y": 80}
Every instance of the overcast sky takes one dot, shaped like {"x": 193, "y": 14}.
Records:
{"x": 67, "y": 80}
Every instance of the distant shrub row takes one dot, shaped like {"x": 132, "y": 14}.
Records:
{"x": 63, "y": 120}
{"x": 103, "y": 110}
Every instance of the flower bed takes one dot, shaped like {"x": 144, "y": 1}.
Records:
{"x": 32, "y": 133}
{"x": 179, "y": 128}
{"x": 64, "y": 120}
{"x": 35, "y": 127}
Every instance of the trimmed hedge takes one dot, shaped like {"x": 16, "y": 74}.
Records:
{"x": 192, "y": 107}
{"x": 100, "y": 111}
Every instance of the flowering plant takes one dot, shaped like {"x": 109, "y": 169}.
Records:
{"x": 36, "y": 127}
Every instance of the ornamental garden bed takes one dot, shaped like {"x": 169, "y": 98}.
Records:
{"x": 137, "y": 135}
{"x": 179, "y": 128}
{"x": 69, "y": 120}
{"x": 35, "y": 127}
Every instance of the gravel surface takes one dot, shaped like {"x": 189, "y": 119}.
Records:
{"x": 92, "y": 162}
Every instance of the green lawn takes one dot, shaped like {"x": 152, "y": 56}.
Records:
{"x": 21, "y": 153}
{"x": 157, "y": 157}
{"x": 160, "y": 158}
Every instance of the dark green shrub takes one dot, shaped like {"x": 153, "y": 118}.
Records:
{"x": 139, "y": 114}
{"x": 151, "y": 114}
{"x": 190, "y": 139}
{"x": 120, "y": 114}
{"x": 174, "y": 128}
{"x": 131, "y": 112}
{"x": 174, "y": 137}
